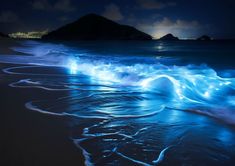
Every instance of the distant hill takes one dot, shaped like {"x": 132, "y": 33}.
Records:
{"x": 3, "y": 35}
{"x": 95, "y": 27}
{"x": 169, "y": 37}
{"x": 204, "y": 38}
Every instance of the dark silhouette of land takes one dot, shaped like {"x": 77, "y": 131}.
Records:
{"x": 95, "y": 27}
{"x": 3, "y": 35}
{"x": 204, "y": 38}
{"x": 169, "y": 37}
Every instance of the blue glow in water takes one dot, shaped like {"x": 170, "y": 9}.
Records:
{"x": 193, "y": 87}
{"x": 132, "y": 108}
{"x": 73, "y": 67}
{"x": 198, "y": 84}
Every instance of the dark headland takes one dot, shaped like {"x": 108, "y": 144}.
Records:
{"x": 95, "y": 27}
{"x": 3, "y": 35}
{"x": 204, "y": 38}
{"x": 169, "y": 37}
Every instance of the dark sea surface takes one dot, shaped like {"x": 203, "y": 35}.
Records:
{"x": 135, "y": 102}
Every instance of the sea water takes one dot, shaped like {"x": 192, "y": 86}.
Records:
{"x": 136, "y": 102}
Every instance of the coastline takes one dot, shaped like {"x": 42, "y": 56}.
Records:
{"x": 37, "y": 137}
{"x": 29, "y": 138}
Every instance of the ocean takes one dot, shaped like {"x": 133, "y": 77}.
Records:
{"x": 134, "y": 102}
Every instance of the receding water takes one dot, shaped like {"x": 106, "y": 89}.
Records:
{"x": 136, "y": 103}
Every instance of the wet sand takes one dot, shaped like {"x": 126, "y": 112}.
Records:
{"x": 29, "y": 138}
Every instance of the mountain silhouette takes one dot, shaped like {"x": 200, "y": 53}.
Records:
{"x": 204, "y": 38}
{"x": 95, "y": 27}
{"x": 170, "y": 37}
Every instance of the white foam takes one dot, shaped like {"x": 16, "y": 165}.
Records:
{"x": 30, "y": 106}
{"x": 86, "y": 155}
{"x": 131, "y": 159}
{"x": 161, "y": 156}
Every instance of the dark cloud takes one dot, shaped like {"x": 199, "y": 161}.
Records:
{"x": 10, "y": 21}
{"x": 112, "y": 11}
{"x": 154, "y": 4}
{"x": 63, "y": 18}
{"x": 60, "y": 5}
{"x": 8, "y": 17}
{"x": 179, "y": 27}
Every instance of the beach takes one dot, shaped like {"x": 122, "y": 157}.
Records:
{"x": 78, "y": 103}
{"x": 30, "y": 138}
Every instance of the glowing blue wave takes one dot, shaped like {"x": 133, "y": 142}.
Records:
{"x": 194, "y": 88}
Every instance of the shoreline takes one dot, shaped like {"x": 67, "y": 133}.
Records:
{"x": 43, "y": 134}
{"x": 30, "y": 138}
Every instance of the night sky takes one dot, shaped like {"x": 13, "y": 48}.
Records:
{"x": 183, "y": 18}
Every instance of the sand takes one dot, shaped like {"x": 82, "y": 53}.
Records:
{"x": 29, "y": 138}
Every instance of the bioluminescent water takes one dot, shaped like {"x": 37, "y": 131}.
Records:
{"x": 132, "y": 109}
